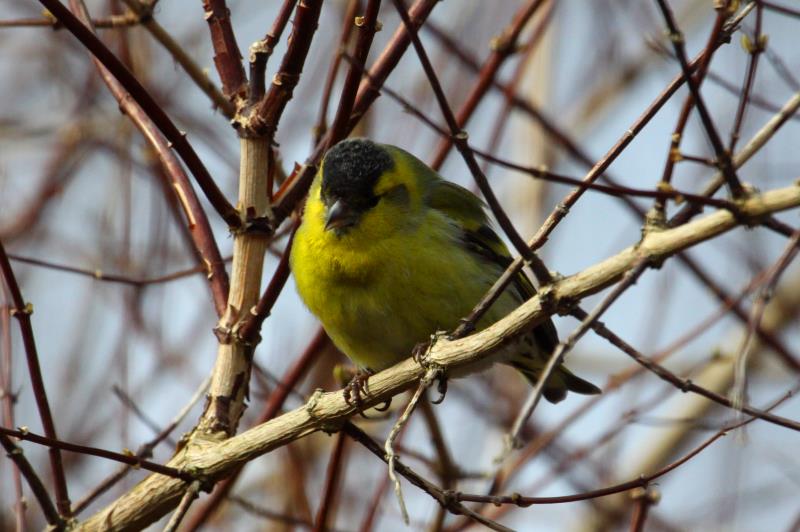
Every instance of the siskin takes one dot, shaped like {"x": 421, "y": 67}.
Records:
{"x": 388, "y": 253}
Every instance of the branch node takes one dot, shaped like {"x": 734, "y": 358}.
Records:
{"x": 26, "y": 310}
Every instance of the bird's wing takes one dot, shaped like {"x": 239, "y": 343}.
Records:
{"x": 468, "y": 211}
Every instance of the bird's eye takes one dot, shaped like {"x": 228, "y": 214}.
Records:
{"x": 397, "y": 194}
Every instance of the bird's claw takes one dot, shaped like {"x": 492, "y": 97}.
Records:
{"x": 357, "y": 386}
{"x": 441, "y": 387}
{"x": 420, "y": 351}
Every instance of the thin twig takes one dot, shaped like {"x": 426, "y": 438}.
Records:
{"x": 331, "y": 486}
{"x": 25, "y": 468}
{"x": 391, "y": 456}
{"x": 179, "y": 54}
{"x": 22, "y": 312}
{"x": 754, "y": 47}
{"x": 558, "y": 354}
{"x": 192, "y": 491}
{"x": 503, "y": 47}
{"x": 144, "y": 451}
{"x": 739, "y": 391}
{"x": 227, "y": 57}
{"x": 723, "y": 156}
{"x": 8, "y": 399}
{"x": 260, "y": 51}
{"x": 320, "y": 127}
{"x": 268, "y": 112}
{"x": 367, "y": 25}
{"x": 643, "y": 499}
{"x": 129, "y": 459}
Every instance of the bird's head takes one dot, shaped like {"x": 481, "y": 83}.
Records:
{"x": 365, "y": 187}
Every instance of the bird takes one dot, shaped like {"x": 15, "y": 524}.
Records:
{"x": 389, "y": 253}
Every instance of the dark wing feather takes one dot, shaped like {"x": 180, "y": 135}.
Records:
{"x": 468, "y": 211}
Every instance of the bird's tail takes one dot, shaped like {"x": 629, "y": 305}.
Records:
{"x": 560, "y": 382}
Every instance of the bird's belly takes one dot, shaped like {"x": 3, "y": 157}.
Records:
{"x": 377, "y": 320}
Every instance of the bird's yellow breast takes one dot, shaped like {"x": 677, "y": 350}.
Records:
{"x": 387, "y": 284}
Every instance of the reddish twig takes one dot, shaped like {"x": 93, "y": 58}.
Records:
{"x": 642, "y": 481}
{"x": 249, "y": 331}
{"x": 15, "y": 454}
{"x": 527, "y": 52}
{"x": 22, "y": 312}
{"x": 321, "y": 126}
{"x": 145, "y": 451}
{"x": 366, "y": 25}
{"x": 754, "y": 47}
{"x": 673, "y": 154}
{"x": 227, "y": 57}
{"x": 269, "y": 110}
{"x": 503, "y": 47}
{"x": 144, "y": 12}
{"x": 197, "y": 220}
{"x": 723, "y": 156}
{"x": 8, "y": 399}
{"x": 100, "y": 275}
{"x": 261, "y": 51}
{"x": 556, "y": 358}
{"x": 129, "y": 459}
{"x": 684, "y": 385}
{"x": 331, "y": 486}
{"x": 781, "y": 9}
{"x": 444, "y": 498}
{"x": 643, "y": 499}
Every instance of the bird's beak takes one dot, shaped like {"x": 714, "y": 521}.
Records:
{"x": 339, "y": 216}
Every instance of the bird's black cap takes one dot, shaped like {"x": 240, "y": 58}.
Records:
{"x": 351, "y": 168}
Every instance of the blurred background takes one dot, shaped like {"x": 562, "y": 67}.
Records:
{"x": 123, "y": 315}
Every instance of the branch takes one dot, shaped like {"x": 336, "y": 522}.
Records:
{"x": 129, "y": 459}
{"x": 269, "y": 110}
{"x": 198, "y": 75}
{"x": 227, "y": 57}
{"x": 22, "y": 312}
{"x": 16, "y": 455}
{"x": 367, "y": 25}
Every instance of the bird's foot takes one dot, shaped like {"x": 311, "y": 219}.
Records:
{"x": 358, "y": 386}
{"x": 420, "y": 355}
{"x": 420, "y": 352}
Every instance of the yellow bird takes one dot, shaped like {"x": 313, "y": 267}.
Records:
{"x": 388, "y": 253}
